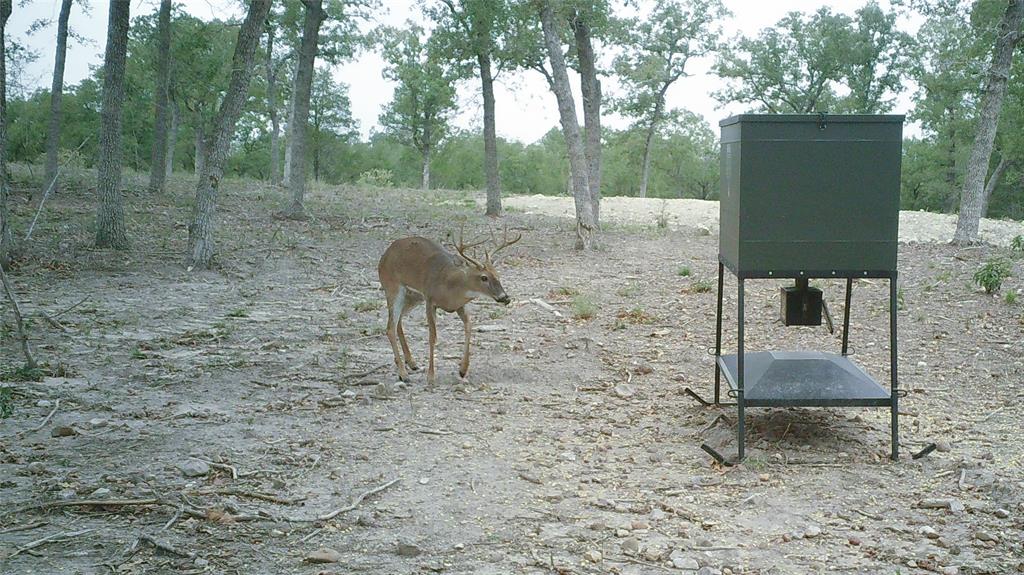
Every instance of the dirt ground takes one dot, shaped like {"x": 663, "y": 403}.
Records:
{"x": 210, "y": 422}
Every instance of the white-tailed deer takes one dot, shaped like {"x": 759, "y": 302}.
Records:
{"x": 414, "y": 270}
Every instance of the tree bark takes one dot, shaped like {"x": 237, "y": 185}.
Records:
{"x": 585, "y": 222}
{"x": 275, "y": 122}
{"x": 110, "y": 227}
{"x": 490, "y": 138}
{"x": 172, "y": 139}
{"x": 56, "y": 95}
{"x": 6, "y": 242}
{"x": 590, "y": 89}
{"x": 425, "y": 180}
{"x": 200, "y": 231}
{"x": 972, "y": 200}
{"x": 157, "y": 167}
{"x": 200, "y": 142}
{"x": 287, "y": 166}
{"x": 993, "y": 181}
{"x": 303, "y": 88}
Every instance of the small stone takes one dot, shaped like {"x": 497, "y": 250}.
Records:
{"x": 467, "y": 445}
{"x": 194, "y": 468}
{"x": 276, "y": 533}
{"x": 624, "y": 390}
{"x": 36, "y": 468}
{"x": 985, "y": 536}
{"x": 459, "y": 546}
{"x": 630, "y": 546}
{"x": 594, "y": 556}
{"x": 63, "y": 431}
{"x": 1001, "y": 513}
{"x": 812, "y": 531}
{"x": 853, "y": 541}
{"x": 658, "y": 514}
{"x": 639, "y": 524}
{"x": 681, "y": 561}
{"x": 44, "y": 403}
{"x": 348, "y": 394}
{"x": 323, "y": 555}
{"x": 929, "y": 532}
{"x": 424, "y": 480}
{"x": 598, "y": 525}
{"x": 200, "y": 562}
{"x": 956, "y": 506}
{"x": 98, "y": 422}
{"x": 67, "y": 494}
{"x": 951, "y": 570}
{"x": 101, "y": 492}
{"x": 408, "y": 549}
{"x": 567, "y": 456}
{"x": 622, "y": 532}
{"x": 707, "y": 570}
{"x": 942, "y": 446}
{"x": 786, "y": 537}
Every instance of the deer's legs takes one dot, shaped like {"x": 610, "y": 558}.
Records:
{"x": 412, "y": 299}
{"x": 396, "y": 305}
{"x": 432, "y": 338}
{"x": 464, "y": 366}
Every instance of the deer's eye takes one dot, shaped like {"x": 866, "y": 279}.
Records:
{"x": 483, "y": 279}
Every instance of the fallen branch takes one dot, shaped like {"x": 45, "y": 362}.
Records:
{"x": 28, "y": 527}
{"x": 253, "y": 494}
{"x": 164, "y": 546}
{"x": 358, "y": 500}
{"x": 49, "y": 189}
{"x": 30, "y": 362}
{"x": 363, "y": 374}
{"x": 73, "y": 306}
{"x": 56, "y": 406}
{"x": 87, "y": 503}
{"x": 55, "y": 538}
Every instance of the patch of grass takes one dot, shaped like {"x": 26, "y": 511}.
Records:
{"x": 6, "y": 402}
{"x": 498, "y": 313}
{"x": 637, "y": 315}
{"x": 662, "y": 220}
{"x": 1017, "y": 244}
{"x": 1010, "y": 298}
{"x": 563, "y": 291}
{"x": 629, "y": 290}
{"x": 240, "y": 312}
{"x": 583, "y": 307}
{"x": 22, "y": 373}
{"x": 683, "y": 271}
{"x": 138, "y": 353}
{"x": 901, "y": 304}
{"x": 991, "y": 275}
{"x": 701, "y": 286}
{"x": 368, "y": 305}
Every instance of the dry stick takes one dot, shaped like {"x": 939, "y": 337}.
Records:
{"x": 164, "y": 546}
{"x": 28, "y": 527}
{"x": 73, "y": 306}
{"x": 49, "y": 189}
{"x": 87, "y": 503}
{"x": 55, "y": 538}
{"x": 56, "y": 406}
{"x": 30, "y": 362}
{"x": 358, "y": 500}
{"x": 253, "y": 494}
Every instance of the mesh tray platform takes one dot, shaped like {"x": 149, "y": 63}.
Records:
{"x": 803, "y": 378}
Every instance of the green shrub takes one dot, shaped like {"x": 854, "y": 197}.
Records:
{"x": 683, "y": 271}
{"x": 991, "y": 275}
{"x": 377, "y": 177}
{"x": 583, "y": 307}
{"x": 1017, "y": 244}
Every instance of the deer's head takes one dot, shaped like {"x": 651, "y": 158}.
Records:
{"x": 481, "y": 276}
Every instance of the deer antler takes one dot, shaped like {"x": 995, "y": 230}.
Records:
{"x": 461, "y": 247}
{"x": 505, "y": 242}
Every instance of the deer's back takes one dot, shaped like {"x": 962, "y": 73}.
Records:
{"x": 415, "y": 262}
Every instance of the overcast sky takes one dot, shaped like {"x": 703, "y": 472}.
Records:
{"x": 525, "y": 107}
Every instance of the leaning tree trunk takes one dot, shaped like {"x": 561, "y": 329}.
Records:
{"x": 645, "y": 172}
{"x": 585, "y": 222}
{"x": 5, "y": 215}
{"x": 303, "y": 88}
{"x": 590, "y": 89}
{"x": 425, "y": 180}
{"x": 972, "y": 200}
{"x": 490, "y": 138}
{"x": 200, "y": 231}
{"x": 110, "y": 228}
{"x": 172, "y": 139}
{"x": 993, "y": 182}
{"x": 56, "y": 95}
{"x": 275, "y": 122}
{"x": 200, "y": 142}
{"x": 157, "y": 169}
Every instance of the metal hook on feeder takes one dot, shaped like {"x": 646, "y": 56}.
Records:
{"x": 822, "y": 123}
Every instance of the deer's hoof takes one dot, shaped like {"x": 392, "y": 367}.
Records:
{"x": 412, "y": 366}
{"x": 403, "y": 377}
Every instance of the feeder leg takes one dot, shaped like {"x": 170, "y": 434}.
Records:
{"x": 739, "y": 374}
{"x": 718, "y": 334}
{"x": 894, "y": 385}
{"x": 846, "y": 315}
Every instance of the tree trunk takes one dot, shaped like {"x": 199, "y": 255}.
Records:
{"x": 425, "y": 181}
{"x": 56, "y": 95}
{"x": 157, "y": 168}
{"x": 590, "y": 89}
{"x": 6, "y": 243}
{"x": 490, "y": 139}
{"x": 972, "y": 199}
{"x": 287, "y": 169}
{"x": 110, "y": 228}
{"x": 645, "y": 171}
{"x": 993, "y": 181}
{"x": 303, "y": 88}
{"x": 275, "y": 122}
{"x": 200, "y": 135}
{"x": 585, "y": 223}
{"x": 172, "y": 139}
{"x": 200, "y": 231}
